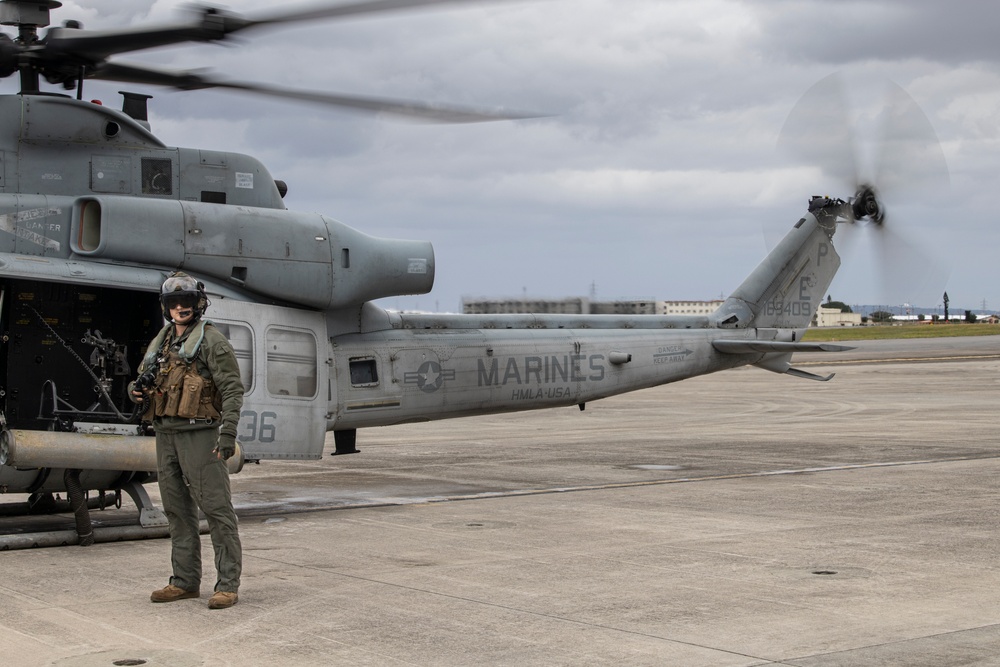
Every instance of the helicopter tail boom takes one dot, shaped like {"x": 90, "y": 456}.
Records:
{"x": 786, "y": 288}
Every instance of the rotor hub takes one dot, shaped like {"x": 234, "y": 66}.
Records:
{"x": 866, "y": 205}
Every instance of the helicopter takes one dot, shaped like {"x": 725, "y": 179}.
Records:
{"x": 96, "y": 211}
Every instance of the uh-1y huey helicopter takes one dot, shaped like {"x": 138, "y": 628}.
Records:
{"x": 95, "y": 211}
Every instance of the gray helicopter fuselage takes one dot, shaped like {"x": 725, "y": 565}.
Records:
{"x": 95, "y": 211}
{"x": 57, "y": 146}
{"x": 451, "y": 366}
{"x": 85, "y": 192}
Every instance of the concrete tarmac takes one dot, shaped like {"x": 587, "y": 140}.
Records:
{"x": 740, "y": 519}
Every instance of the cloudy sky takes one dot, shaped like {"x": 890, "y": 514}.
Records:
{"x": 659, "y": 172}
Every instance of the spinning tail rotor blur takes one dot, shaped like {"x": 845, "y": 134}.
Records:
{"x": 894, "y": 186}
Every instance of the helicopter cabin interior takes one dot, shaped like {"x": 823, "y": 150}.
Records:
{"x": 61, "y": 342}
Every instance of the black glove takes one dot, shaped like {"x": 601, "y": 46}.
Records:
{"x": 226, "y": 447}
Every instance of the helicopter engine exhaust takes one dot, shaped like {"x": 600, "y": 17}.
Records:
{"x": 301, "y": 258}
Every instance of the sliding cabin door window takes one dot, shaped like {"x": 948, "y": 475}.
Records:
{"x": 291, "y": 362}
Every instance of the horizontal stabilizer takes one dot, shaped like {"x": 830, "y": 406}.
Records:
{"x": 777, "y": 354}
{"x": 752, "y": 346}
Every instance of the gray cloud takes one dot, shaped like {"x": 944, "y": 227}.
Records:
{"x": 951, "y": 33}
{"x": 658, "y": 170}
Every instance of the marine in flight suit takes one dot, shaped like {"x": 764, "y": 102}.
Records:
{"x": 189, "y": 381}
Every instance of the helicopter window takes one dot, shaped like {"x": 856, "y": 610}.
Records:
{"x": 291, "y": 362}
{"x": 157, "y": 178}
{"x": 241, "y": 338}
{"x": 364, "y": 372}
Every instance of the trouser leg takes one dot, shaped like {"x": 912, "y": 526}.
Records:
{"x": 182, "y": 514}
{"x": 209, "y": 478}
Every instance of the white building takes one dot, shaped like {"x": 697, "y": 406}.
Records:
{"x": 832, "y": 317}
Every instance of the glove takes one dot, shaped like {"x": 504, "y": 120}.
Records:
{"x": 226, "y": 447}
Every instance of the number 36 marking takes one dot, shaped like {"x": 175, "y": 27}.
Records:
{"x": 257, "y": 428}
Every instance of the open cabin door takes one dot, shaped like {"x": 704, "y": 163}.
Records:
{"x": 282, "y": 353}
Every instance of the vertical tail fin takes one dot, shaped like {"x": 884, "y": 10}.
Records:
{"x": 785, "y": 290}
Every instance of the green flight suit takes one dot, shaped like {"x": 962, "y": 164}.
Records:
{"x": 189, "y": 472}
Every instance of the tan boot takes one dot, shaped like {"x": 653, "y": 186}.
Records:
{"x": 223, "y": 599}
{"x": 171, "y": 593}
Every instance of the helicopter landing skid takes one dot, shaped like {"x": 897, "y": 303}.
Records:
{"x": 150, "y": 516}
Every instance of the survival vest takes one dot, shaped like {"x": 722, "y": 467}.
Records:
{"x": 180, "y": 390}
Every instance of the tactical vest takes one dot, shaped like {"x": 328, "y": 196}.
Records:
{"x": 180, "y": 390}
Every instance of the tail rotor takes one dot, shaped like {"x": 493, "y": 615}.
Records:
{"x": 908, "y": 170}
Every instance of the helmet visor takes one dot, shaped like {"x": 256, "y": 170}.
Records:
{"x": 179, "y": 283}
{"x": 171, "y": 301}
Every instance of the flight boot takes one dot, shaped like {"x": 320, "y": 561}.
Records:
{"x": 171, "y": 593}
{"x": 223, "y": 599}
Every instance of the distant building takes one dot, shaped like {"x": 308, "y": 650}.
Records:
{"x": 832, "y": 317}
{"x": 568, "y": 306}
{"x": 689, "y": 307}
{"x": 583, "y": 306}
{"x": 643, "y": 307}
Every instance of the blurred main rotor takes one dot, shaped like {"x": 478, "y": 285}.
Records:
{"x": 69, "y": 55}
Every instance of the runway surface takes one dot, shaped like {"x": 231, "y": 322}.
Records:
{"x": 739, "y": 519}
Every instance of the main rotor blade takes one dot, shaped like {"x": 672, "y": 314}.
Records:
{"x": 91, "y": 47}
{"x": 413, "y": 110}
{"x": 354, "y": 9}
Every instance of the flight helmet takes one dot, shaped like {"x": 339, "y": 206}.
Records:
{"x": 181, "y": 289}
